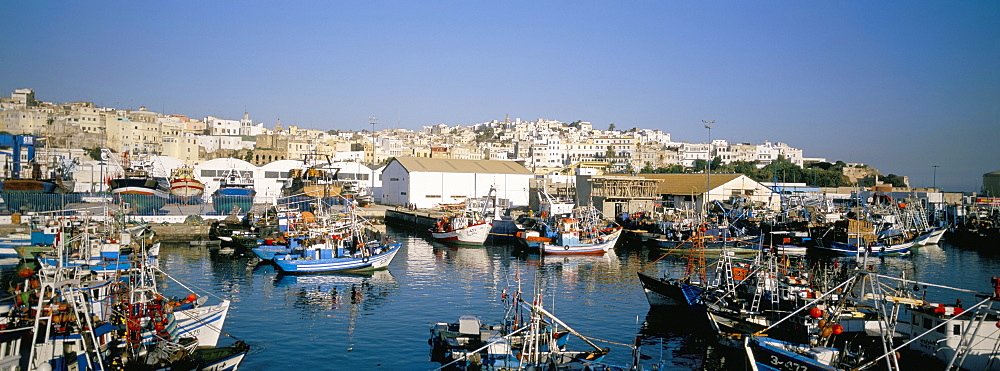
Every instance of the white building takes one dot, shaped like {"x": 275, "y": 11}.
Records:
{"x": 428, "y": 182}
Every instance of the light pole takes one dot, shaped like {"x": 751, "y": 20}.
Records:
{"x": 935, "y": 175}
{"x": 102, "y": 163}
{"x": 708, "y": 166}
{"x": 373, "y": 120}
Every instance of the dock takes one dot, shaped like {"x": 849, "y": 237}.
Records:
{"x": 419, "y": 218}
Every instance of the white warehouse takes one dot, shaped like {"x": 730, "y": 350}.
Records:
{"x": 428, "y": 182}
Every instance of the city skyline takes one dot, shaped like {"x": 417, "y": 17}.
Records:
{"x": 900, "y": 86}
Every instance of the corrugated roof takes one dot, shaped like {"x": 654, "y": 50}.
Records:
{"x": 685, "y": 184}
{"x": 447, "y": 165}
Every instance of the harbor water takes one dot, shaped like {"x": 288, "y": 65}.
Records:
{"x": 381, "y": 320}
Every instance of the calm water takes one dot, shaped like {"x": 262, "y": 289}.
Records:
{"x": 381, "y": 320}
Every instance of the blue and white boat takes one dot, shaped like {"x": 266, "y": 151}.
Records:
{"x": 585, "y": 232}
{"x": 766, "y": 353}
{"x": 235, "y": 194}
{"x": 873, "y": 249}
{"x": 328, "y": 241}
{"x": 321, "y": 259}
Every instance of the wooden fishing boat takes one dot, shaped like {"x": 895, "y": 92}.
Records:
{"x": 185, "y": 188}
{"x": 585, "y": 231}
{"x": 469, "y": 228}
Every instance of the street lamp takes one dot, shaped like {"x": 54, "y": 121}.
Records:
{"x": 373, "y": 120}
{"x": 102, "y": 163}
{"x": 935, "y": 175}
{"x": 708, "y": 165}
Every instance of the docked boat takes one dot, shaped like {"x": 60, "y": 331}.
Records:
{"x": 185, "y": 188}
{"x": 529, "y": 337}
{"x": 584, "y": 231}
{"x": 235, "y": 194}
{"x": 34, "y": 194}
{"x": 138, "y": 188}
{"x": 84, "y": 318}
{"x": 328, "y": 241}
{"x": 315, "y": 179}
{"x": 965, "y": 338}
{"x": 467, "y": 227}
{"x": 664, "y": 292}
{"x": 575, "y": 239}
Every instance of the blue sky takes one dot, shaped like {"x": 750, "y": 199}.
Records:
{"x": 899, "y": 85}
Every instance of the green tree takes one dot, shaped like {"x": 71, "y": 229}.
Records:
{"x": 94, "y": 153}
{"x": 699, "y": 165}
{"x": 611, "y": 127}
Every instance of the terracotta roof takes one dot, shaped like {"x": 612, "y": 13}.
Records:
{"x": 686, "y": 184}
{"x": 447, "y": 165}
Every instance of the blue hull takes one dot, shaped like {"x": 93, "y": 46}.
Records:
{"x": 306, "y": 266}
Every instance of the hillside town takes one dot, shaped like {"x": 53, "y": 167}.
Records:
{"x": 544, "y": 146}
{"x": 308, "y": 202}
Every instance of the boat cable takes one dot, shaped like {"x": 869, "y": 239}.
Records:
{"x": 667, "y": 253}
{"x": 906, "y": 281}
{"x": 483, "y": 347}
{"x": 915, "y": 338}
{"x": 821, "y": 297}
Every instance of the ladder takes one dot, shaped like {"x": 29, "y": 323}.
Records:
{"x": 965, "y": 343}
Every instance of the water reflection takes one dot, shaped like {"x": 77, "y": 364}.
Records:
{"x": 332, "y": 294}
{"x": 349, "y": 316}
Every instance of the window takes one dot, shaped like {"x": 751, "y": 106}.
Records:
{"x": 208, "y": 173}
{"x": 393, "y": 179}
{"x": 430, "y": 196}
{"x": 402, "y": 193}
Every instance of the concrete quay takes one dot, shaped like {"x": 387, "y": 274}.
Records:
{"x": 420, "y": 218}
{"x": 173, "y": 223}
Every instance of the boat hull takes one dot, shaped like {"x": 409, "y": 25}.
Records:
{"x": 605, "y": 243}
{"x": 228, "y": 204}
{"x": 141, "y": 198}
{"x": 769, "y": 354}
{"x": 307, "y": 266}
{"x": 475, "y": 234}
{"x": 24, "y": 195}
{"x": 669, "y": 293}
{"x": 841, "y": 248}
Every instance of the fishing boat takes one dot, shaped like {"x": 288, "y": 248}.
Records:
{"x": 329, "y": 241}
{"x": 965, "y": 338}
{"x": 663, "y": 292}
{"x": 315, "y": 179}
{"x": 89, "y": 319}
{"x": 529, "y": 337}
{"x": 584, "y": 231}
{"x": 35, "y": 193}
{"x": 137, "y": 188}
{"x": 466, "y": 227}
{"x": 772, "y": 354}
{"x": 185, "y": 188}
{"x": 235, "y": 194}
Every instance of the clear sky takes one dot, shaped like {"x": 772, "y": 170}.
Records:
{"x": 899, "y": 85}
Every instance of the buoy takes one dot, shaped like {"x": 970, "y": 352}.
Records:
{"x": 815, "y": 312}
{"x": 822, "y": 323}
{"x": 191, "y": 298}
{"x": 26, "y": 272}
{"x": 827, "y": 332}
{"x": 837, "y": 329}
